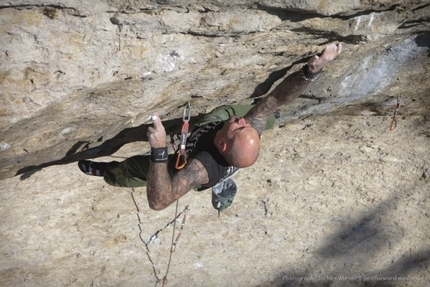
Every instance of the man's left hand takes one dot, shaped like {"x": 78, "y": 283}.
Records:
{"x": 157, "y": 134}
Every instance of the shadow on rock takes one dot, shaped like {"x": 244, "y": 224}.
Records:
{"x": 346, "y": 258}
{"x": 89, "y": 149}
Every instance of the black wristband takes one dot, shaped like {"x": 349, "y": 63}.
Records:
{"x": 159, "y": 154}
{"x": 307, "y": 75}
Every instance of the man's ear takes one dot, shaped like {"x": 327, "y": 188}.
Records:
{"x": 222, "y": 146}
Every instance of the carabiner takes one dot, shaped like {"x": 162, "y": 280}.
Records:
{"x": 393, "y": 124}
{"x": 187, "y": 112}
{"x": 181, "y": 159}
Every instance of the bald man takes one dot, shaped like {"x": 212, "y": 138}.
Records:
{"x": 238, "y": 142}
{"x": 224, "y": 141}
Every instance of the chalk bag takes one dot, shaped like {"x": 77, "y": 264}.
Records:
{"x": 223, "y": 194}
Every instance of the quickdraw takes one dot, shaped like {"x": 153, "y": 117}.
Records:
{"x": 181, "y": 159}
{"x": 393, "y": 124}
{"x": 184, "y": 218}
{"x": 175, "y": 241}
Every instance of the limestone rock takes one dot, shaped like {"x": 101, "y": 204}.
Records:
{"x": 80, "y": 80}
{"x": 81, "y": 72}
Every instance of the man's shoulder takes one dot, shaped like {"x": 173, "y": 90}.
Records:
{"x": 193, "y": 174}
{"x": 223, "y": 113}
{"x": 215, "y": 165}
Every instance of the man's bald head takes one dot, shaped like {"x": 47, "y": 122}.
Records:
{"x": 238, "y": 142}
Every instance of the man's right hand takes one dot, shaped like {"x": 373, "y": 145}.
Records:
{"x": 157, "y": 134}
{"x": 316, "y": 63}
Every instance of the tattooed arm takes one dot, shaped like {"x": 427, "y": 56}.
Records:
{"x": 161, "y": 188}
{"x": 289, "y": 89}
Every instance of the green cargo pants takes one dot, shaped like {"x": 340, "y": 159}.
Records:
{"x": 132, "y": 172}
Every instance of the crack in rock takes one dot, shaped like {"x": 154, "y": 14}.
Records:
{"x": 153, "y": 236}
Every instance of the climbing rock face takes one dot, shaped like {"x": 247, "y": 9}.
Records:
{"x": 80, "y": 80}
{"x": 80, "y": 72}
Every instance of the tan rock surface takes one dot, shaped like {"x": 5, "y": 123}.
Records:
{"x": 336, "y": 198}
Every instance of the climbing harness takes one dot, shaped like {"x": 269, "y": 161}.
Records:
{"x": 223, "y": 194}
{"x": 181, "y": 159}
{"x": 393, "y": 124}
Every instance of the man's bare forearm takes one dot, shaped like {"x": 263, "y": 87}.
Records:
{"x": 163, "y": 189}
{"x": 288, "y": 90}
{"x": 158, "y": 186}
{"x": 291, "y": 87}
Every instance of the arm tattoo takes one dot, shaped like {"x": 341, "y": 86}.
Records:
{"x": 162, "y": 189}
{"x": 289, "y": 89}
